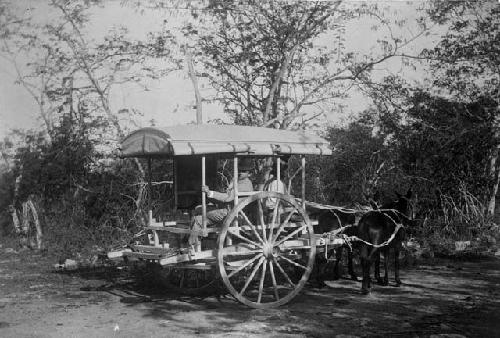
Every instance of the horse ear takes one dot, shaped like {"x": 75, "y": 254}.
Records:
{"x": 373, "y": 204}
{"x": 409, "y": 193}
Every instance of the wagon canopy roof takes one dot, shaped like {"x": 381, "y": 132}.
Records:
{"x": 220, "y": 139}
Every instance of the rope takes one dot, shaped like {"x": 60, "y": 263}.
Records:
{"x": 387, "y": 242}
{"x": 349, "y": 239}
{"x": 336, "y": 233}
{"x": 328, "y": 207}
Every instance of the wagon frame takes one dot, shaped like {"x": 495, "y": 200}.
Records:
{"x": 263, "y": 255}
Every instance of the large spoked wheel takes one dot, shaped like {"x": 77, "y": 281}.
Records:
{"x": 266, "y": 250}
{"x": 192, "y": 282}
{"x": 177, "y": 280}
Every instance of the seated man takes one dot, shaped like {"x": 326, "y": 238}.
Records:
{"x": 273, "y": 184}
{"x": 216, "y": 216}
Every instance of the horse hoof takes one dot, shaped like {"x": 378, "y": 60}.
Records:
{"x": 365, "y": 291}
{"x": 398, "y": 283}
{"x": 318, "y": 285}
{"x": 354, "y": 278}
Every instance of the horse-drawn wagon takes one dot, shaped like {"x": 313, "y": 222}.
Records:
{"x": 264, "y": 248}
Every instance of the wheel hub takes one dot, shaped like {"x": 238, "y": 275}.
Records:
{"x": 269, "y": 250}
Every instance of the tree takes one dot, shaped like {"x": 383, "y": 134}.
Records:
{"x": 267, "y": 63}
{"x": 468, "y": 64}
{"x": 448, "y": 143}
{"x": 70, "y": 76}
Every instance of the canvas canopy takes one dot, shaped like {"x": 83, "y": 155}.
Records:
{"x": 220, "y": 139}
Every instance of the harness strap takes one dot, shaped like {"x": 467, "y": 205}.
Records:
{"x": 335, "y": 233}
{"x": 349, "y": 239}
{"x": 387, "y": 242}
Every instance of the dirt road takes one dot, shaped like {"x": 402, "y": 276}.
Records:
{"x": 445, "y": 299}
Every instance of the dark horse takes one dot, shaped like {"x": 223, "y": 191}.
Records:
{"x": 377, "y": 227}
{"x": 329, "y": 220}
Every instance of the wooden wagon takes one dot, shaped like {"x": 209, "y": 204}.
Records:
{"x": 263, "y": 255}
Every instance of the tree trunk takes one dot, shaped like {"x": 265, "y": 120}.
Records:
{"x": 15, "y": 219}
{"x": 30, "y": 229}
{"x": 495, "y": 175}
{"x": 194, "y": 80}
{"x": 280, "y": 74}
{"x": 37, "y": 228}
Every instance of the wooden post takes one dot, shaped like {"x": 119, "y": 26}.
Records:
{"x": 278, "y": 183}
{"x": 303, "y": 160}
{"x": 174, "y": 209}
{"x": 156, "y": 238}
{"x": 235, "y": 180}
{"x": 203, "y": 197}
{"x": 278, "y": 169}
{"x": 150, "y": 192}
{"x": 236, "y": 197}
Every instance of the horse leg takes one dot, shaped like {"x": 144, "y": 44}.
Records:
{"x": 350, "y": 266}
{"x": 337, "y": 273}
{"x": 396, "y": 267}
{"x": 317, "y": 273}
{"x": 377, "y": 268}
{"x": 386, "y": 268}
{"x": 365, "y": 264}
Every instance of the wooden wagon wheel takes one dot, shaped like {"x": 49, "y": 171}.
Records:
{"x": 265, "y": 255}
{"x": 192, "y": 282}
{"x": 179, "y": 279}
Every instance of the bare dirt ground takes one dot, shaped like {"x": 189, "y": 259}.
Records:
{"x": 442, "y": 299}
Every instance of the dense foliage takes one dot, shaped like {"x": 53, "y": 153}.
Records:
{"x": 82, "y": 195}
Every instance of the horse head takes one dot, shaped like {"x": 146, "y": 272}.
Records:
{"x": 403, "y": 204}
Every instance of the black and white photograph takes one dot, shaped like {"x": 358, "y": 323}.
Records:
{"x": 249, "y": 168}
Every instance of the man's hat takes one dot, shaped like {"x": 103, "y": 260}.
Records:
{"x": 245, "y": 164}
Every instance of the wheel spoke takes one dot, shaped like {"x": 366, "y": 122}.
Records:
{"x": 273, "y": 278}
{"x": 250, "y": 261}
{"x": 282, "y": 225}
{"x": 261, "y": 218}
{"x": 283, "y": 272}
{"x": 275, "y": 216}
{"x": 234, "y": 233}
{"x": 252, "y": 275}
{"x": 261, "y": 284}
{"x": 252, "y": 227}
{"x": 291, "y": 235}
{"x": 292, "y": 262}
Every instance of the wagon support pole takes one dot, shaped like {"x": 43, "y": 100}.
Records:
{"x": 303, "y": 164}
{"x": 203, "y": 197}
{"x": 150, "y": 192}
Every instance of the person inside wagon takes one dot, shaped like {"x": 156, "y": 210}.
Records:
{"x": 273, "y": 184}
{"x": 217, "y": 215}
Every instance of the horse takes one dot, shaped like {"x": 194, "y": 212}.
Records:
{"x": 381, "y": 227}
{"x": 329, "y": 220}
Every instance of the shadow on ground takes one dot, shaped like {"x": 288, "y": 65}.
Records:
{"x": 447, "y": 298}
